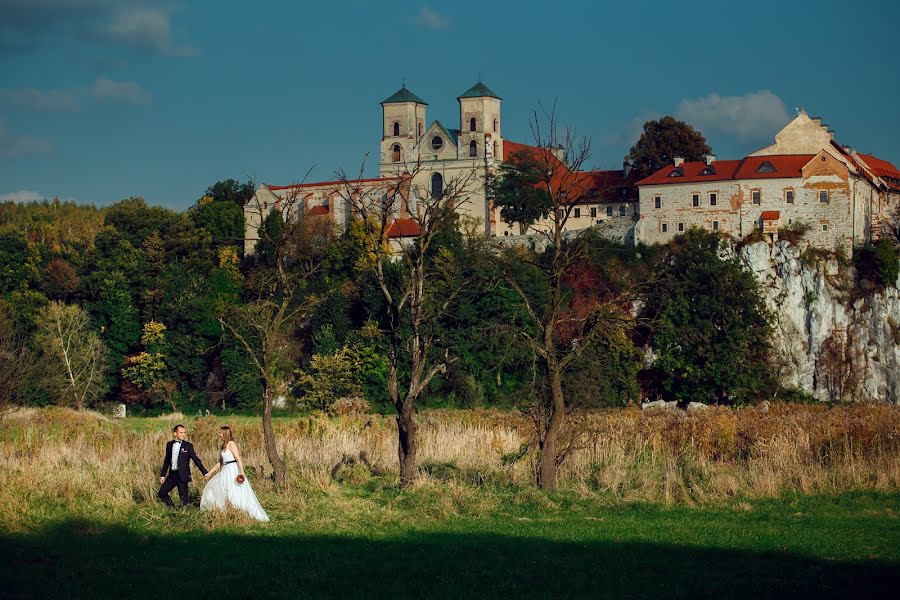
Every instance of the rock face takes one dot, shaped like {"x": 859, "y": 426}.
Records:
{"x": 831, "y": 340}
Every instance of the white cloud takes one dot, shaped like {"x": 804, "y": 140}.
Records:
{"x": 753, "y": 116}
{"x": 15, "y": 146}
{"x": 103, "y": 90}
{"x": 138, "y": 23}
{"x": 429, "y": 18}
{"x": 45, "y": 101}
{"x": 22, "y": 196}
{"x": 118, "y": 91}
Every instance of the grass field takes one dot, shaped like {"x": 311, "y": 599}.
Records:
{"x": 78, "y": 519}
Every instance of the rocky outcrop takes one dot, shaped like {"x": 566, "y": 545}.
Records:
{"x": 831, "y": 339}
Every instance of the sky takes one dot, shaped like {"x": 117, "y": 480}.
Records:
{"x": 105, "y": 99}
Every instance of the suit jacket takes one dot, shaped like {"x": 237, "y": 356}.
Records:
{"x": 185, "y": 456}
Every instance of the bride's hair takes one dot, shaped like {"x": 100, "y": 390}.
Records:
{"x": 227, "y": 436}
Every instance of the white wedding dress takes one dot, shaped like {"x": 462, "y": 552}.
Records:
{"x": 222, "y": 490}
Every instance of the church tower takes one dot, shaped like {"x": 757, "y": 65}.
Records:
{"x": 479, "y": 124}
{"x": 403, "y": 124}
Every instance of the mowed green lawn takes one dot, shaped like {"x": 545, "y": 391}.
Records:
{"x": 361, "y": 542}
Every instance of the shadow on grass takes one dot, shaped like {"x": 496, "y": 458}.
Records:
{"x": 82, "y": 559}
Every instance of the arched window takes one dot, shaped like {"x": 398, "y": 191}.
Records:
{"x": 495, "y": 125}
{"x": 437, "y": 185}
{"x": 395, "y": 153}
{"x": 472, "y": 124}
{"x": 396, "y": 128}
{"x": 473, "y": 148}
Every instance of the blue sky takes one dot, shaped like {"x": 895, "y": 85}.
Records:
{"x": 105, "y": 99}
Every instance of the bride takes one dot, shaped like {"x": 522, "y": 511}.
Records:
{"x": 230, "y": 487}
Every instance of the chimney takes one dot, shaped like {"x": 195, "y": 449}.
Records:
{"x": 709, "y": 158}
{"x": 678, "y": 161}
{"x": 626, "y": 169}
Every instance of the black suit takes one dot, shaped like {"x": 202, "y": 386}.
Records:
{"x": 180, "y": 476}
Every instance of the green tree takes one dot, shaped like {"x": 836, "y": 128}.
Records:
{"x": 517, "y": 191}
{"x": 18, "y": 262}
{"x": 224, "y": 220}
{"x": 135, "y": 220}
{"x": 663, "y": 140}
{"x": 231, "y": 190}
{"x": 711, "y": 332}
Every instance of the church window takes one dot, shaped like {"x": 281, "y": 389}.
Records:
{"x": 395, "y": 153}
{"x": 473, "y": 148}
{"x": 437, "y": 185}
{"x": 495, "y": 125}
{"x": 396, "y": 128}
{"x": 472, "y": 124}
{"x": 437, "y": 142}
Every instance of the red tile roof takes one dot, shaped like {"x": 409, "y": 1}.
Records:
{"x": 880, "y": 167}
{"x": 317, "y": 210}
{"x": 325, "y": 183}
{"x": 583, "y": 187}
{"x": 403, "y": 228}
{"x": 770, "y": 215}
{"x": 785, "y": 166}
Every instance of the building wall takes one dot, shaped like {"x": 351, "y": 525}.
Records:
{"x": 839, "y": 221}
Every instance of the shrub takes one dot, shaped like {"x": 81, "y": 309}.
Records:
{"x": 794, "y": 232}
{"x": 878, "y": 263}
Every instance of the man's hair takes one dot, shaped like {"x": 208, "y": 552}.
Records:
{"x": 174, "y": 429}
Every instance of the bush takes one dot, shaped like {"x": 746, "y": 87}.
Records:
{"x": 878, "y": 263}
{"x": 794, "y": 232}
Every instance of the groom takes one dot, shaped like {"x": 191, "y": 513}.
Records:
{"x": 179, "y": 453}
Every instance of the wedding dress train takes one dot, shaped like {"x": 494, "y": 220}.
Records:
{"x": 223, "y": 490}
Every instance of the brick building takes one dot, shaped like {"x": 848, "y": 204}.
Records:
{"x": 845, "y": 197}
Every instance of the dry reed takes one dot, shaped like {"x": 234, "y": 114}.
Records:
{"x": 87, "y": 462}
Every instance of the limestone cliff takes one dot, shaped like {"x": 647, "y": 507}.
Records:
{"x": 832, "y": 339}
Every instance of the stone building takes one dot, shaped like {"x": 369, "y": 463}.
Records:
{"x": 805, "y": 176}
{"x": 430, "y": 156}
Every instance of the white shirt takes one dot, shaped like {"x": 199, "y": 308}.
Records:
{"x": 176, "y": 448}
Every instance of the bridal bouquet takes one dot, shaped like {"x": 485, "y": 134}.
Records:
{"x": 240, "y": 479}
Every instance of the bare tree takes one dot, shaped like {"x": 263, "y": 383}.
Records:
{"x": 422, "y": 291}
{"x": 288, "y": 256}
{"x": 556, "y": 331}
{"x": 79, "y": 355}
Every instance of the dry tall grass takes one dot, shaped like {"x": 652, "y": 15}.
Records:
{"x": 58, "y": 457}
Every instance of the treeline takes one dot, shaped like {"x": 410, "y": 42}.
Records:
{"x": 124, "y": 304}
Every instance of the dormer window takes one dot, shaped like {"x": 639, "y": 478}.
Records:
{"x": 679, "y": 172}
{"x": 396, "y": 128}
{"x": 710, "y": 170}
{"x": 765, "y": 167}
{"x": 472, "y": 124}
{"x": 437, "y": 142}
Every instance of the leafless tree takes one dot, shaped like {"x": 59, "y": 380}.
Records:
{"x": 556, "y": 331}
{"x": 79, "y": 355}
{"x": 289, "y": 249}
{"x": 423, "y": 290}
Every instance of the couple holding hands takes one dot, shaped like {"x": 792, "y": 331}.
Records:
{"x": 227, "y": 487}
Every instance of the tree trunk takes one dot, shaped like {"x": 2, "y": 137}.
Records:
{"x": 269, "y": 435}
{"x": 549, "y": 448}
{"x": 406, "y": 449}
